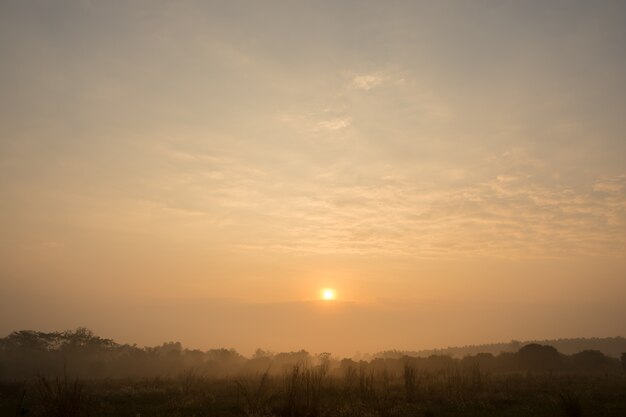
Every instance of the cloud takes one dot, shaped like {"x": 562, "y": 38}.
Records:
{"x": 611, "y": 185}
{"x": 367, "y": 81}
{"x": 511, "y": 211}
{"x": 335, "y": 124}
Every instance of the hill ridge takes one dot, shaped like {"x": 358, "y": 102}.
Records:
{"x": 611, "y": 346}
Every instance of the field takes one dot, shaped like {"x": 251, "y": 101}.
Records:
{"x": 78, "y": 374}
{"x": 315, "y": 391}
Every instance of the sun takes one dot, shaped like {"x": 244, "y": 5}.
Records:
{"x": 328, "y": 294}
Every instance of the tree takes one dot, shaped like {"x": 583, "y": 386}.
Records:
{"x": 589, "y": 361}
{"x": 536, "y": 357}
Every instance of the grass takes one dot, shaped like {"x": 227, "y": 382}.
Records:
{"x": 570, "y": 404}
{"x": 315, "y": 391}
{"x": 61, "y": 397}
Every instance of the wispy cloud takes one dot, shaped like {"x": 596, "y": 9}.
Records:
{"x": 335, "y": 124}
{"x": 511, "y": 214}
{"x": 367, "y": 81}
{"x": 613, "y": 185}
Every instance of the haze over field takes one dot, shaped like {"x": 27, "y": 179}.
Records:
{"x": 201, "y": 171}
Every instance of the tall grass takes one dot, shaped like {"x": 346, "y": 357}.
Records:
{"x": 410, "y": 382}
{"x": 20, "y": 410}
{"x": 303, "y": 389}
{"x": 316, "y": 391}
{"x": 570, "y": 404}
{"x": 61, "y": 397}
{"x": 255, "y": 395}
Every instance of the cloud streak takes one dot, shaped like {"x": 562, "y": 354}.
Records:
{"x": 367, "y": 81}
{"x": 507, "y": 215}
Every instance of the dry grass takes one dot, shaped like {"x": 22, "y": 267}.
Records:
{"x": 315, "y": 391}
{"x": 61, "y": 397}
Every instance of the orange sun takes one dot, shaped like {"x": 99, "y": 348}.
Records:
{"x": 328, "y": 294}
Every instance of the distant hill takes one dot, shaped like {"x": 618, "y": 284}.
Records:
{"x": 610, "y": 346}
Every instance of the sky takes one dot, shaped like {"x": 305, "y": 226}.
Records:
{"x": 200, "y": 170}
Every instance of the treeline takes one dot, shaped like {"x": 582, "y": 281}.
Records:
{"x": 80, "y": 353}
{"x": 610, "y": 346}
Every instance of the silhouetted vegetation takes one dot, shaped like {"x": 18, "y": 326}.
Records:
{"x": 610, "y": 346}
{"x": 76, "y": 373}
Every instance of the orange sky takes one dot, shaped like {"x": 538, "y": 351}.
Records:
{"x": 198, "y": 171}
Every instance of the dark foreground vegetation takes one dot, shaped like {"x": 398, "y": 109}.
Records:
{"x": 79, "y": 374}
